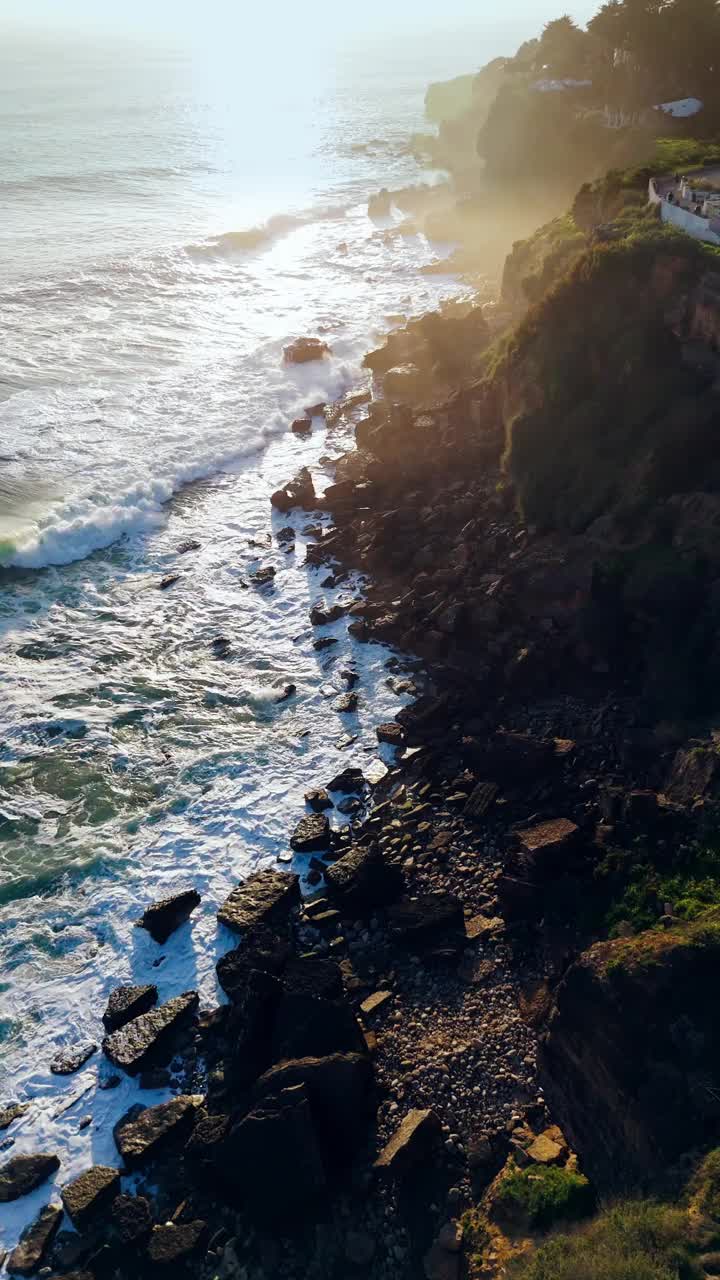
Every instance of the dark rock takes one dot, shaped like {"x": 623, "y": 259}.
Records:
{"x": 272, "y": 1159}
{"x": 169, "y": 580}
{"x": 189, "y": 545}
{"x": 300, "y": 492}
{"x": 126, "y": 1003}
{"x": 350, "y": 677}
{"x": 286, "y": 534}
{"x": 361, "y": 880}
{"x": 12, "y": 1111}
{"x": 287, "y": 692}
{"x": 318, "y": 800}
{"x": 316, "y": 410}
{"x": 28, "y": 1256}
{"x": 359, "y": 1248}
{"x": 321, "y": 615}
{"x": 628, "y": 1053}
{"x": 262, "y": 577}
{"x": 87, "y": 1197}
{"x": 164, "y": 917}
{"x": 141, "y": 1138}
{"x": 204, "y": 1141}
{"x": 250, "y": 1027}
{"x": 262, "y": 948}
{"x": 303, "y": 350}
{"x": 514, "y": 757}
{"x": 302, "y": 427}
{"x": 546, "y": 847}
{"x": 410, "y": 1143}
{"x": 349, "y": 781}
{"x": 66, "y": 1061}
{"x": 325, "y": 642}
{"x": 432, "y": 919}
{"x": 347, "y": 703}
{"x": 391, "y": 733}
{"x": 340, "y": 1092}
{"x": 134, "y": 1046}
{"x": 155, "y": 1078}
{"x": 481, "y": 799}
{"x": 22, "y": 1174}
{"x": 311, "y": 835}
{"x": 174, "y": 1241}
{"x": 310, "y": 1026}
{"x": 265, "y": 897}
{"x": 312, "y": 975}
{"x": 519, "y": 898}
{"x": 131, "y": 1218}
{"x": 695, "y": 774}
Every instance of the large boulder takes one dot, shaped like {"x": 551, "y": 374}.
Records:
{"x": 29, "y": 1254}
{"x": 361, "y": 880}
{"x": 22, "y": 1174}
{"x": 304, "y": 350}
{"x": 164, "y": 917}
{"x": 271, "y": 1160}
{"x": 174, "y": 1242}
{"x": 631, "y": 1050}
{"x": 250, "y": 1028}
{"x": 87, "y": 1197}
{"x": 427, "y": 921}
{"x": 312, "y": 834}
{"x": 313, "y": 976}
{"x": 131, "y": 1218}
{"x": 265, "y": 897}
{"x": 299, "y": 492}
{"x": 410, "y": 1144}
{"x": 126, "y": 1003}
{"x": 144, "y": 1041}
{"x": 263, "y": 948}
{"x": 311, "y": 1026}
{"x": 340, "y": 1092}
{"x": 140, "y": 1138}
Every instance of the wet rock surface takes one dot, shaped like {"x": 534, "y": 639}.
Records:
{"x": 88, "y": 1196}
{"x": 23, "y": 1173}
{"x": 126, "y": 1003}
{"x": 164, "y": 917}
{"x": 139, "y": 1043}
{"x": 265, "y": 897}
{"x": 29, "y": 1254}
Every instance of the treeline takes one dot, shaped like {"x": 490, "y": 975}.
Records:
{"x": 636, "y": 52}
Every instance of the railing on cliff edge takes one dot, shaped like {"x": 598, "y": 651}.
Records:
{"x": 692, "y": 224}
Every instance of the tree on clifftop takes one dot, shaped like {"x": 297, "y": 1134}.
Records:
{"x": 563, "y": 48}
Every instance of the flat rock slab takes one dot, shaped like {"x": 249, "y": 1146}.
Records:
{"x": 135, "y": 1045}
{"x": 481, "y": 799}
{"x": 361, "y": 880}
{"x": 265, "y": 897}
{"x": 22, "y": 1174}
{"x": 375, "y": 1002}
{"x": 131, "y": 1217}
{"x": 28, "y": 1256}
{"x": 318, "y": 800}
{"x": 126, "y": 1003}
{"x": 87, "y": 1197}
{"x": 311, "y": 835}
{"x": 339, "y": 1088}
{"x": 544, "y": 1150}
{"x": 349, "y": 782}
{"x": 410, "y": 1142}
{"x": 273, "y": 1157}
{"x": 321, "y": 614}
{"x": 66, "y": 1061}
{"x": 173, "y": 1241}
{"x": 262, "y": 948}
{"x": 420, "y": 922}
{"x": 314, "y": 976}
{"x": 546, "y": 845}
{"x": 391, "y": 733}
{"x": 140, "y": 1139}
{"x": 164, "y": 917}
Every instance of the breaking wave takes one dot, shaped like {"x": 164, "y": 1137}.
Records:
{"x": 266, "y": 233}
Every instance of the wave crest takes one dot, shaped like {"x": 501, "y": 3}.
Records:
{"x": 265, "y": 233}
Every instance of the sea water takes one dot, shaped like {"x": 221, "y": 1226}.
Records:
{"x": 168, "y": 225}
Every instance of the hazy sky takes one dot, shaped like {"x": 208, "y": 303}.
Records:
{"x": 326, "y": 19}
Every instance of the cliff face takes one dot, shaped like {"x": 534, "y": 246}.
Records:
{"x": 631, "y": 1056}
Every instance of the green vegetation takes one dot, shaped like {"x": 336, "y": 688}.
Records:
{"x": 476, "y": 1235}
{"x": 634, "y": 1240}
{"x": 545, "y": 1194}
{"x": 691, "y": 885}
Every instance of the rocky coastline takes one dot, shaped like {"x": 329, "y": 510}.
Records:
{"x": 456, "y": 1039}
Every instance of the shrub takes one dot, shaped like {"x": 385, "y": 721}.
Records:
{"x": 545, "y": 1194}
{"x": 634, "y": 1240}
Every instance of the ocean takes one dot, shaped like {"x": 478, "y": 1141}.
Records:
{"x": 169, "y": 222}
